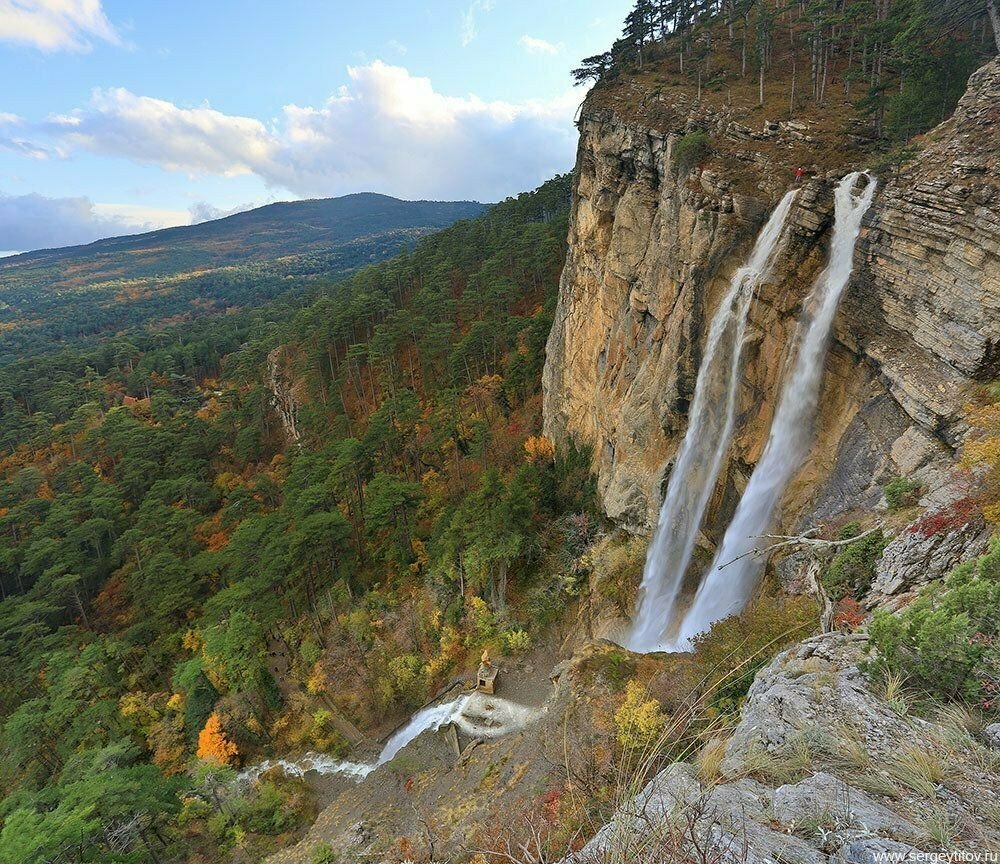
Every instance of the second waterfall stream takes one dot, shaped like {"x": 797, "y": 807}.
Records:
{"x": 700, "y": 456}
{"x": 734, "y": 571}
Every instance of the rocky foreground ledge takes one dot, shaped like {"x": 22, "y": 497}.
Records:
{"x": 821, "y": 769}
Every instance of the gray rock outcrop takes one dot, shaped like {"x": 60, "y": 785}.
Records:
{"x": 811, "y": 713}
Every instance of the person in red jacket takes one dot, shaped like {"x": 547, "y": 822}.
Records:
{"x": 798, "y": 174}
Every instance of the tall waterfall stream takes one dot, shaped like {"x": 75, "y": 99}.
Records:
{"x": 734, "y": 572}
{"x": 700, "y": 456}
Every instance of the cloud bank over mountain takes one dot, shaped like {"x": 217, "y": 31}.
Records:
{"x": 386, "y": 131}
{"x": 38, "y": 222}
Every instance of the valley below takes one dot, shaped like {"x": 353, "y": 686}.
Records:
{"x": 649, "y": 516}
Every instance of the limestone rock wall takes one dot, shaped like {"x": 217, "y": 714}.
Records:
{"x": 925, "y": 308}
{"x": 650, "y": 253}
{"x": 814, "y": 772}
{"x": 282, "y": 384}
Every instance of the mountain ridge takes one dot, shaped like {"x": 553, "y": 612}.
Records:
{"x": 125, "y": 240}
{"x": 75, "y": 294}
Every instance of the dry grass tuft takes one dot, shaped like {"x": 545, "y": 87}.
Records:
{"x": 941, "y": 829}
{"x": 896, "y": 694}
{"x": 851, "y": 750}
{"x": 919, "y": 769}
{"x": 710, "y": 760}
{"x": 790, "y": 764}
{"x": 956, "y": 725}
{"x": 877, "y": 783}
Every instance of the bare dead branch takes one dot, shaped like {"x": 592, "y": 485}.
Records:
{"x": 806, "y": 539}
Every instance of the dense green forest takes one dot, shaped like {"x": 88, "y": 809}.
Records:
{"x": 904, "y": 63}
{"x": 83, "y": 295}
{"x": 162, "y": 538}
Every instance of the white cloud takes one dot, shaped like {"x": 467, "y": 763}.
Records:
{"x": 55, "y": 25}
{"x": 533, "y": 45}
{"x": 386, "y": 131}
{"x": 197, "y": 140}
{"x": 18, "y": 145}
{"x": 36, "y": 222}
{"x": 205, "y": 212}
{"x": 24, "y": 148}
{"x": 469, "y": 24}
{"x": 140, "y": 217}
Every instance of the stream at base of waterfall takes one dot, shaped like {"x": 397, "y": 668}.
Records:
{"x": 476, "y": 715}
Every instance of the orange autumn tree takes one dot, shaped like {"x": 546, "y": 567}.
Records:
{"x": 982, "y": 452}
{"x": 539, "y": 449}
{"x": 213, "y": 745}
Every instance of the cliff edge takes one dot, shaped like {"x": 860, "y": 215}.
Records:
{"x": 653, "y": 242}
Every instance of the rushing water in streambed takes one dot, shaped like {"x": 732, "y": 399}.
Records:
{"x": 476, "y": 714}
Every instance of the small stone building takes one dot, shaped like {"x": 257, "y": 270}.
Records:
{"x": 486, "y": 679}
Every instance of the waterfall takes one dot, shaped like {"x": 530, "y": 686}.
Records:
{"x": 700, "y": 456}
{"x": 433, "y": 717}
{"x": 735, "y": 571}
{"x": 477, "y": 715}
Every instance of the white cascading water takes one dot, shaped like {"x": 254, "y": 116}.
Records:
{"x": 433, "y": 717}
{"x": 699, "y": 459}
{"x": 735, "y": 570}
{"x": 477, "y": 715}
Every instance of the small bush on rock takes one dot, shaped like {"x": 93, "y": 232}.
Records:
{"x": 322, "y": 853}
{"x": 901, "y": 493}
{"x": 689, "y": 150}
{"x": 639, "y": 720}
{"x": 852, "y": 569}
{"x": 947, "y": 642}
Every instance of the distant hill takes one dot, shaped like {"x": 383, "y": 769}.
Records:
{"x": 63, "y": 296}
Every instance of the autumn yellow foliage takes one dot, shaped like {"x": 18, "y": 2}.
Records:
{"x": 982, "y": 453}
{"x": 538, "y": 448}
{"x": 639, "y": 721}
{"x": 213, "y": 745}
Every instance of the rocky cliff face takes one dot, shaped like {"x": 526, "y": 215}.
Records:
{"x": 284, "y": 396}
{"x": 820, "y": 769}
{"x": 652, "y": 247}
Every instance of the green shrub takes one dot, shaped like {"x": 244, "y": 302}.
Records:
{"x": 689, "y": 150}
{"x": 322, "y": 853}
{"x": 516, "y": 640}
{"x": 901, "y": 492}
{"x": 852, "y": 569}
{"x": 614, "y": 667}
{"x": 616, "y": 566}
{"x": 311, "y": 652}
{"x": 945, "y": 642}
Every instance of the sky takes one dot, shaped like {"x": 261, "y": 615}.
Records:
{"x": 120, "y": 116}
